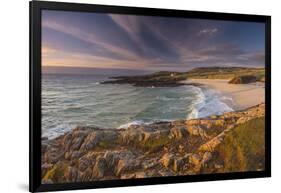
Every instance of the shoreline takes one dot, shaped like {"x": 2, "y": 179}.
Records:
{"x": 159, "y": 149}
{"x": 236, "y": 96}
{"x": 242, "y": 94}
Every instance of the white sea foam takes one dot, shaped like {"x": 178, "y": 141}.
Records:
{"x": 139, "y": 122}
{"x": 131, "y": 123}
{"x": 163, "y": 98}
{"x": 209, "y": 102}
{"x": 60, "y": 129}
{"x": 108, "y": 107}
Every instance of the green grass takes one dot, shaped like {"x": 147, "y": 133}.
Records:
{"x": 243, "y": 149}
{"x": 56, "y": 173}
{"x": 203, "y": 73}
{"x": 208, "y": 73}
{"x": 225, "y": 73}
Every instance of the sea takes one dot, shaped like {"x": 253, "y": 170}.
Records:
{"x": 78, "y": 99}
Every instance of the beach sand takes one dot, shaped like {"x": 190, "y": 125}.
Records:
{"x": 243, "y": 95}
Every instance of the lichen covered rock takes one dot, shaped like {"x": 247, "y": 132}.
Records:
{"x": 181, "y": 147}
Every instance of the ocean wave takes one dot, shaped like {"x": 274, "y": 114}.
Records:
{"x": 209, "y": 102}
{"x": 163, "y": 98}
{"x": 126, "y": 125}
{"x": 106, "y": 107}
{"x": 140, "y": 122}
{"x": 60, "y": 129}
{"x": 96, "y": 83}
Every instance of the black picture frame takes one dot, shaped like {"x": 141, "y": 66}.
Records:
{"x": 35, "y": 95}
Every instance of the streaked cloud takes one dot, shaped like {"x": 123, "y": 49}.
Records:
{"x": 88, "y": 37}
{"x": 153, "y": 43}
{"x": 46, "y": 51}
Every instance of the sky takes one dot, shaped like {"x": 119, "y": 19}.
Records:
{"x": 99, "y": 40}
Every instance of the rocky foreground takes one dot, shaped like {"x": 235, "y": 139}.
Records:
{"x": 230, "y": 142}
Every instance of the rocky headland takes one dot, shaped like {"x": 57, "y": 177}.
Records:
{"x": 230, "y": 142}
{"x": 236, "y": 75}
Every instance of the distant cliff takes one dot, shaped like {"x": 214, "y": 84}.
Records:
{"x": 230, "y": 142}
{"x": 246, "y": 79}
{"x": 239, "y": 75}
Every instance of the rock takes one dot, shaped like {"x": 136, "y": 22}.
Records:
{"x": 45, "y": 167}
{"x": 77, "y": 138}
{"x": 252, "y": 114}
{"x": 210, "y": 123}
{"x": 196, "y": 130}
{"x": 166, "y": 173}
{"x": 145, "y": 136}
{"x": 91, "y": 141}
{"x": 194, "y": 159}
{"x": 67, "y": 140}
{"x": 150, "y": 163}
{"x": 122, "y": 164}
{"x": 243, "y": 79}
{"x": 218, "y": 166}
{"x": 56, "y": 173}
{"x": 126, "y": 165}
{"x": 167, "y": 160}
{"x": 47, "y": 181}
{"x": 175, "y": 162}
{"x": 71, "y": 174}
{"x": 84, "y": 163}
{"x": 135, "y": 81}
{"x": 86, "y": 176}
{"x": 111, "y": 158}
{"x": 128, "y": 176}
{"x": 100, "y": 138}
{"x": 178, "y": 132}
{"x": 173, "y": 79}
{"x": 67, "y": 155}
{"x": 99, "y": 168}
{"x": 181, "y": 147}
{"x": 75, "y": 155}
{"x": 136, "y": 135}
{"x": 178, "y": 164}
{"x": 213, "y": 143}
{"x": 44, "y": 145}
{"x": 206, "y": 157}
{"x": 140, "y": 175}
{"x": 53, "y": 156}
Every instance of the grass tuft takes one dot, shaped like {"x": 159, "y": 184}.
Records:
{"x": 243, "y": 149}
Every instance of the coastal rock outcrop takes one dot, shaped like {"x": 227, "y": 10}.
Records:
{"x": 181, "y": 147}
{"x": 245, "y": 79}
{"x": 174, "y": 79}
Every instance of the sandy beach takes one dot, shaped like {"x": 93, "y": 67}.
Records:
{"x": 243, "y": 95}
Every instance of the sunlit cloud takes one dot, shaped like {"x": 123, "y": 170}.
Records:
{"x": 46, "y": 51}
{"x": 68, "y": 59}
{"x": 145, "y": 42}
{"x": 89, "y": 37}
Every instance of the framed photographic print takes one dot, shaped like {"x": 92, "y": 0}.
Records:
{"x": 124, "y": 96}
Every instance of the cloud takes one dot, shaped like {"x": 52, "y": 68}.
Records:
{"x": 207, "y": 31}
{"x": 155, "y": 43}
{"x": 63, "y": 58}
{"x": 89, "y": 38}
{"x": 225, "y": 55}
{"x": 135, "y": 28}
{"x": 47, "y": 51}
{"x": 149, "y": 36}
